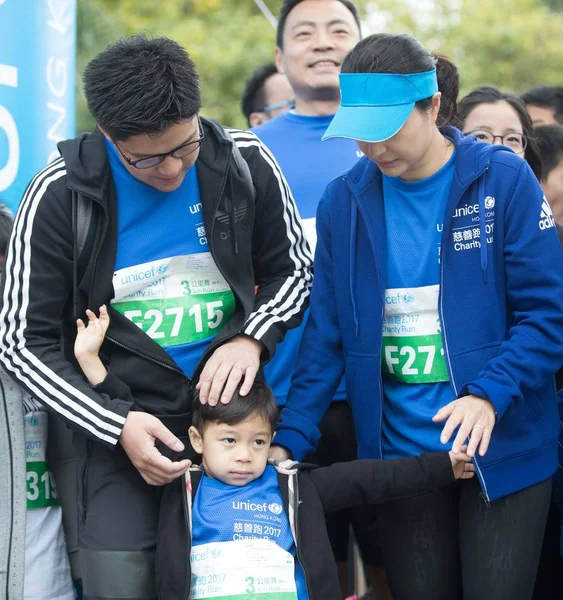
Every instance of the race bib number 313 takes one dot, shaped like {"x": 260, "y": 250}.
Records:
{"x": 178, "y": 300}
{"x": 412, "y": 341}
{"x": 41, "y": 491}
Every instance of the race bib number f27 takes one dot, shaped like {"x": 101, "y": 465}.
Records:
{"x": 178, "y": 300}
{"x": 412, "y": 341}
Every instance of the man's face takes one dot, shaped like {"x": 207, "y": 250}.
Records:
{"x": 169, "y": 174}
{"x": 541, "y": 115}
{"x": 317, "y": 36}
{"x": 234, "y": 454}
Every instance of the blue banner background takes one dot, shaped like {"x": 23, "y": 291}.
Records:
{"x": 37, "y": 88}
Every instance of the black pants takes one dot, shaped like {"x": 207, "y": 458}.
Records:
{"x": 338, "y": 444}
{"x": 449, "y": 545}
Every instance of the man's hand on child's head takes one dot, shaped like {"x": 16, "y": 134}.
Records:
{"x": 89, "y": 337}
{"x": 461, "y": 464}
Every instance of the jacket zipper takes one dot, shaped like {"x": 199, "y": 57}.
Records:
{"x": 213, "y": 344}
{"x": 376, "y": 253}
{"x": 154, "y": 360}
{"x": 188, "y": 593}
{"x": 297, "y": 536}
{"x": 484, "y": 494}
{"x": 83, "y": 475}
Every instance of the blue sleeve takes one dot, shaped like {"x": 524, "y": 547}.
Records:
{"x": 558, "y": 477}
{"x": 320, "y": 363}
{"x": 533, "y": 350}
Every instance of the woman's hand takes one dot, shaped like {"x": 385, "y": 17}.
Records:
{"x": 475, "y": 417}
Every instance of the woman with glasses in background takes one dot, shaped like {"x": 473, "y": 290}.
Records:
{"x": 495, "y": 117}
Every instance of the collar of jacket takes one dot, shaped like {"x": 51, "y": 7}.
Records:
{"x": 88, "y": 170}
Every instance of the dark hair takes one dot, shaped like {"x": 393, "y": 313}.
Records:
{"x": 141, "y": 86}
{"x": 254, "y": 96}
{"x": 259, "y": 401}
{"x": 490, "y": 95}
{"x": 550, "y": 144}
{"x": 402, "y": 54}
{"x": 6, "y": 223}
{"x": 546, "y": 96}
{"x": 289, "y": 5}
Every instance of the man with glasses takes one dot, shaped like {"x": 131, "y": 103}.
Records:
{"x": 170, "y": 221}
{"x": 267, "y": 94}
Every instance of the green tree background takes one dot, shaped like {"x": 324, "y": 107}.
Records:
{"x": 513, "y": 44}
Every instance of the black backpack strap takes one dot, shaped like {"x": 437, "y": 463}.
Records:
{"x": 81, "y": 219}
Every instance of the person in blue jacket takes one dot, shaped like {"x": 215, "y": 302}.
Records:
{"x": 433, "y": 298}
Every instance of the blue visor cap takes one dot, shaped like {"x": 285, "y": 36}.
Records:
{"x": 374, "y": 106}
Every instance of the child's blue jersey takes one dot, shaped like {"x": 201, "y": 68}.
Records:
{"x": 227, "y": 513}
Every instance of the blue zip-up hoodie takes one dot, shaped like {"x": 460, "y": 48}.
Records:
{"x": 500, "y": 305}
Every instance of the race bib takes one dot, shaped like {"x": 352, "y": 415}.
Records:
{"x": 412, "y": 340}
{"x": 176, "y": 300}
{"x": 242, "y": 570}
{"x": 41, "y": 491}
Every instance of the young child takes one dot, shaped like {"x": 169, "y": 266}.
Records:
{"x": 238, "y": 527}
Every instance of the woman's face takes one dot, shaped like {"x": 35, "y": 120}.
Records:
{"x": 496, "y": 123}
{"x": 410, "y": 151}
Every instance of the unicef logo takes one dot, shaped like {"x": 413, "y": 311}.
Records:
{"x": 489, "y": 202}
{"x": 408, "y": 298}
{"x": 275, "y": 508}
{"x": 162, "y": 269}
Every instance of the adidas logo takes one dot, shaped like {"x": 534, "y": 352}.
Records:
{"x": 546, "y": 216}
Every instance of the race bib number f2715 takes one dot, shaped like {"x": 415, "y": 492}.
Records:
{"x": 178, "y": 300}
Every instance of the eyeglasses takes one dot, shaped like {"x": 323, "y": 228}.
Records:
{"x": 282, "y": 104}
{"x": 515, "y": 141}
{"x": 151, "y": 161}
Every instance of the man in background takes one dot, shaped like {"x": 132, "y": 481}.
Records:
{"x": 267, "y": 93}
{"x": 545, "y": 104}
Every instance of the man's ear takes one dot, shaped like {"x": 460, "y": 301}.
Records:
{"x": 196, "y": 439}
{"x": 105, "y": 133}
{"x": 279, "y": 61}
{"x": 257, "y": 118}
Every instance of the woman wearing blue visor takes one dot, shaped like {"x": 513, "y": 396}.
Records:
{"x": 432, "y": 297}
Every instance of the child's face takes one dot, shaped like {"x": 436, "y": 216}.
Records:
{"x": 234, "y": 454}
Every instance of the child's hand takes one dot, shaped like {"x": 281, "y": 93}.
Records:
{"x": 462, "y": 465}
{"x": 89, "y": 338}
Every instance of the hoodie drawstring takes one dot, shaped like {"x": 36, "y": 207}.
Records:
{"x": 353, "y": 241}
{"x": 483, "y": 229}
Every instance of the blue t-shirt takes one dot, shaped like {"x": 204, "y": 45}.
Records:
{"x": 309, "y": 165}
{"x": 165, "y": 278}
{"x": 226, "y": 513}
{"x": 415, "y": 378}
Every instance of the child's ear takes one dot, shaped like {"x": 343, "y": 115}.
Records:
{"x": 196, "y": 439}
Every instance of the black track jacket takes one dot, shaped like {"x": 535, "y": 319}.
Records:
{"x": 255, "y": 237}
